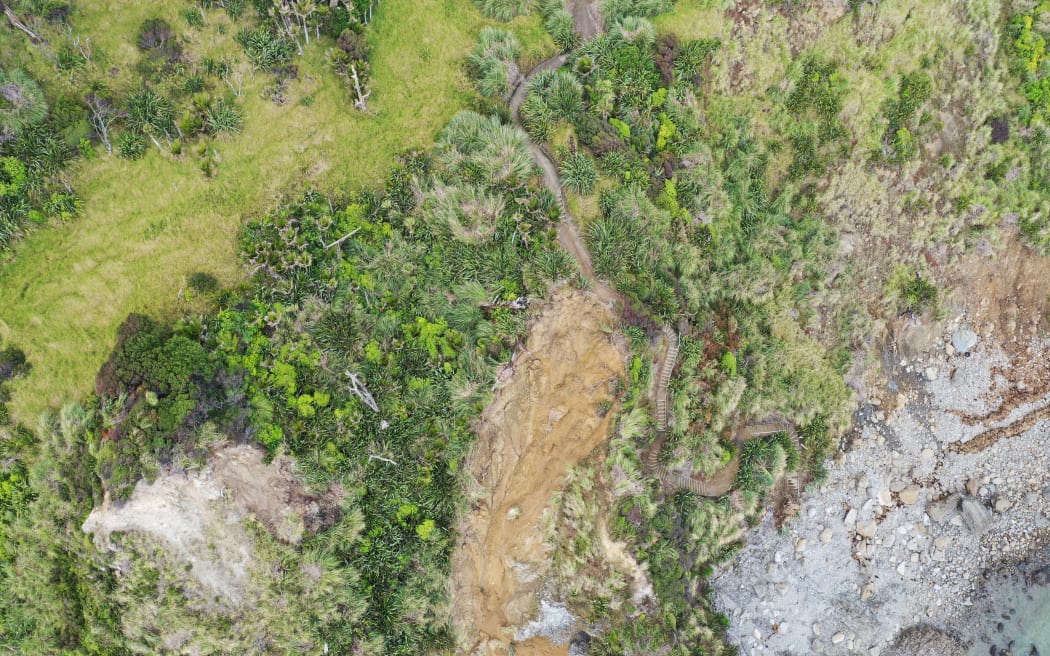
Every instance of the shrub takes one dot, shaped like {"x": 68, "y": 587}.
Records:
{"x": 12, "y": 362}
{"x": 153, "y": 33}
{"x": 899, "y": 143}
{"x": 579, "y": 173}
{"x": 131, "y": 145}
{"x": 265, "y": 50}
{"x": 222, "y": 116}
{"x": 150, "y": 113}
{"x": 559, "y": 26}
{"x": 616, "y": 10}
{"x": 492, "y": 61}
{"x": 204, "y": 283}
{"x": 537, "y": 117}
{"x": 914, "y": 292}
{"x": 193, "y": 17}
{"x": 504, "y": 10}
{"x": 21, "y": 102}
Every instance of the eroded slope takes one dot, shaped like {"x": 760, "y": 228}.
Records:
{"x": 545, "y": 419}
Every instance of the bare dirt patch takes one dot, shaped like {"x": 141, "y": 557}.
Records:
{"x": 198, "y": 516}
{"x": 543, "y": 422}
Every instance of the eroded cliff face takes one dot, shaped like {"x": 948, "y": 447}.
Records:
{"x": 546, "y": 418}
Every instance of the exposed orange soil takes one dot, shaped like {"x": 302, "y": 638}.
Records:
{"x": 543, "y": 422}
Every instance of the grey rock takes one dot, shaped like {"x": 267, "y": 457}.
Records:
{"x": 964, "y": 339}
{"x": 941, "y": 511}
{"x": 975, "y": 516}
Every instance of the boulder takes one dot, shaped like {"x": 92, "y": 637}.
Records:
{"x": 975, "y": 516}
{"x": 964, "y": 339}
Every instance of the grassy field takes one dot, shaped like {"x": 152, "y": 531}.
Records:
{"x": 148, "y": 224}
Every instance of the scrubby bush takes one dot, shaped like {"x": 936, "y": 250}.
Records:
{"x": 484, "y": 150}
{"x": 492, "y": 62}
{"x": 131, "y": 145}
{"x": 12, "y": 362}
{"x": 153, "y": 33}
{"x": 616, "y": 10}
{"x": 265, "y": 49}
{"x": 203, "y": 283}
{"x": 579, "y": 172}
{"x": 222, "y": 116}
{"x": 559, "y": 25}
{"x": 21, "y": 102}
{"x": 504, "y": 10}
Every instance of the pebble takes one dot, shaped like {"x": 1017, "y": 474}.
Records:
{"x": 837, "y": 638}
{"x": 818, "y": 629}
{"x": 909, "y": 495}
{"x": 800, "y": 546}
{"x": 1002, "y": 505}
{"x": 867, "y": 529}
{"x": 825, "y": 535}
{"x": 850, "y": 518}
{"x": 971, "y": 487}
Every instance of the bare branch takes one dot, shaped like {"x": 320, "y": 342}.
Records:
{"x": 362, "y": 97}
{"x": 359, "y": 389}
{"x": 342, "y": 239}
{"x": 371, "y": 457}
{"x": 15, "y": 21}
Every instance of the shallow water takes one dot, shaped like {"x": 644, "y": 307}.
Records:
{"x": 1014, "y": 615}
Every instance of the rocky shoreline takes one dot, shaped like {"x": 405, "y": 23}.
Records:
{"x": 912, "y": 529}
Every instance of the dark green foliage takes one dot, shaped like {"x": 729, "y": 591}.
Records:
{"x": 222, "y": 116}
{"x": 12, "y": 362}
{"x": 151, "y": 114}
{"x": 265, "y": 49}
{"x": 204, "y": 283}
{"x": 193, "y": 17}
{"x": 560, "y": 91}
{"x": 813, "y": 127}
{"x": 559, "y": 25}
{"x": 131, "y": 145}
{"x": 915, "y": 293}
{"x": 816, "y": 442}
{"x": 899, "y": 144}
{"x": 693, "y": 57}
{"x": 615, "y": 10}
{"x": 579, "y": 173}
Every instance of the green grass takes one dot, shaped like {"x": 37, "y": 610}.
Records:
{"x": 148, "y": 224}
{"x": 696, "y": 19}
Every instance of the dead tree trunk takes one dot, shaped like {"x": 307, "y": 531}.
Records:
{"x": 359, "y": 389}
{"x": 361, "y": 103}
{"x": 15, "y": 21}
